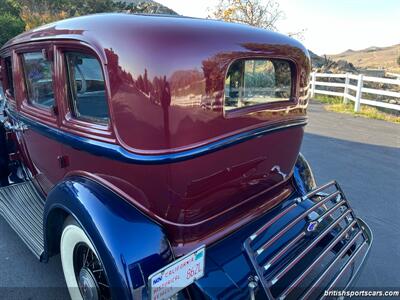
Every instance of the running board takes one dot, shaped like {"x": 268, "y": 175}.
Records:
{"x": 22, "y": 207}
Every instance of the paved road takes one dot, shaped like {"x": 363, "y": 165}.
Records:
{"x": 362, "y": 154}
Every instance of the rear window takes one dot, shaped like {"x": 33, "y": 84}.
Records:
{"x": 39, "y": 79}
{"x": 251, "y": 82}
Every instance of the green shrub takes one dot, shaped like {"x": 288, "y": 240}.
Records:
{"x": 10, "y": 27}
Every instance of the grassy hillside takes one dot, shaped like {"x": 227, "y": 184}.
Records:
{"x": 373, "y": 57}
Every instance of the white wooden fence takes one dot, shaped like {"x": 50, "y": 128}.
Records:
{"x": 393, "y": 75}
{"x": 359, "y": 89}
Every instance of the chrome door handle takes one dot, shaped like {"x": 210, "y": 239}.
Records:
{"x": 277, "y": 169}
{"x": 18, "y": 127}
{"x": 21, "y": 127}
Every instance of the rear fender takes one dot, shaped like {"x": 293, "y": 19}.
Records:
{"x": 130, "y": 245}
{"x": 303, "y": 175}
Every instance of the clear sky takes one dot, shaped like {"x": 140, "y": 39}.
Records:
{"x": 332, "y": 26}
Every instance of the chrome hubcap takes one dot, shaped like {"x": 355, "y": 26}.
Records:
{"x": 88, "y": 285}
{"x": 90, "y": 274}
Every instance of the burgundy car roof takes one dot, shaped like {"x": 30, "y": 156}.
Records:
{"x": 96, "y": 28}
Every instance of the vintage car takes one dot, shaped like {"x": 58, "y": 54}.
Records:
{"x": 160, "y": 157}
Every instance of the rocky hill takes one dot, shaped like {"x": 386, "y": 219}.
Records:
{"x": 372, "y": 58}
{"x": 146, "y": 7}
{"x": 328, "y": 65}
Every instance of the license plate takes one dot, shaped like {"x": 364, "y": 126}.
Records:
{"x": 179, "y": 274}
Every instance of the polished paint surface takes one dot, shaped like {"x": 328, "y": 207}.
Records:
{"x": 165, "y": 86}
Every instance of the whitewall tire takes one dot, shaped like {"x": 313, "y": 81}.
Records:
{"x": 84, "y": 274}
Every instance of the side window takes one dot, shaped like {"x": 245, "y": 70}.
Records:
{"x": 251, "y": 82}
{"x": 38, "y": 79}
{"x": 9, "y": 76}
{"x": 86, "y": 87}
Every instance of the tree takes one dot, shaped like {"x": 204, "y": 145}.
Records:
{"x": 17, "y": 15}
{"x": 10, "y": 7}
{"x": 259, "y": 13}
{"x": 398, "y": 60}
{"x": 10, "y": 27}
{"x": 39, "y": 12}
{"x": 10, "y": 22}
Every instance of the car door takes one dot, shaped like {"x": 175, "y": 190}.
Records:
{"x": 37, "y": 107}
{"x": 84, "y": 111}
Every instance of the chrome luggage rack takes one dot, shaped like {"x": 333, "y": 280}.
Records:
{"x": 312, "y": 245}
